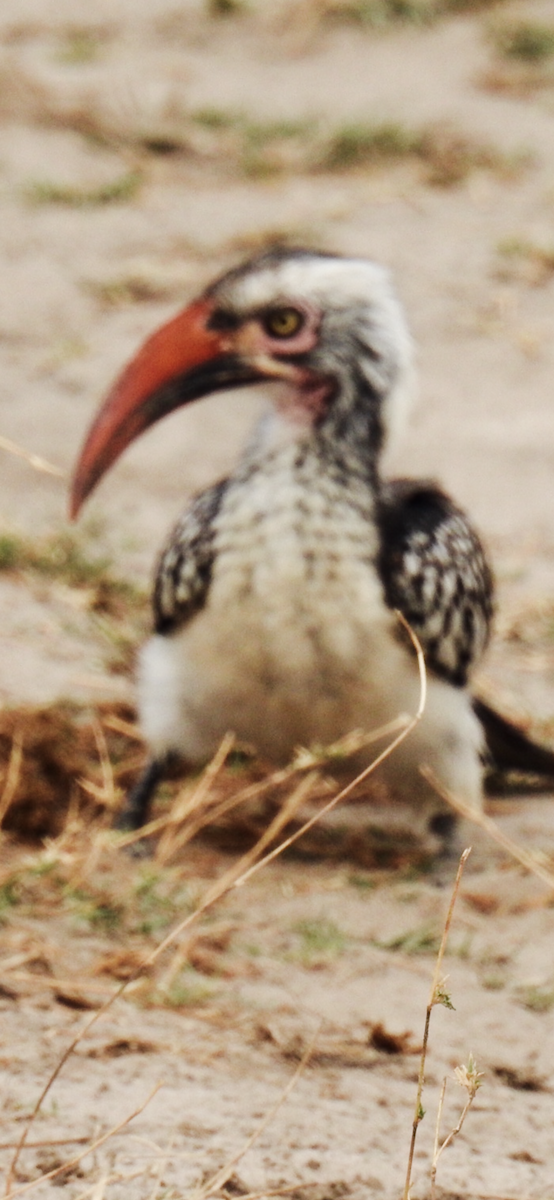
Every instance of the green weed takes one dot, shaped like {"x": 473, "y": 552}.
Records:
{"x": 537, "y": 998}
{"x": 154, "y": 904}
{"x": 379, "y": 14}
{"x": 226, "y": 8}
{"x": 527, "y": 41}
{"x": 98, "y": 913}
{"x": 118, "y": 191}
{"x": 215, "y": 118}
{"x": 188, "y": 990}
{"x": 79, "y": 45}
{"x": 525, "y": 260}
{"x": 424, "y": 939}
{"x": 9, "y": 897}
{"x": 358, "y": 145}
{"x": 64, "y": 556}
{"x": 10, "y": 552}
{"x": 320, "y": 939}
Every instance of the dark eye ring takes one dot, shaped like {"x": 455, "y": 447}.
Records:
{"x": 283, "y": 322}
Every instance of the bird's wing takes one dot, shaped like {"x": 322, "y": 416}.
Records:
{"x": 435, "y": 571}
{"x": 185, "y": 567}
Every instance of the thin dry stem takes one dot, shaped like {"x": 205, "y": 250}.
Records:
{"x": 69, "y": 1141}
{"x": 12, "y": 774}
{"x": 522, "y": 856}
{"x": 34, "y": 460}
{"x": 437, "y": 1132}
{"x": 73, "y": 1162}
{"x": 436, "y": 996}
{"x": 220, "y": 1178}
{"x": 433, "y": 997}
{"x": 185, "y": 804}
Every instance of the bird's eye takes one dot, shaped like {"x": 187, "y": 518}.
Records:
{"x": 283, "y": 322}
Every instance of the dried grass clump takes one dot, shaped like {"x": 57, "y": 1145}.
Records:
{"x": 58, "y": 749}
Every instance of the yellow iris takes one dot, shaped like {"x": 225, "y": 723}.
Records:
{"x": 283, "y": 322}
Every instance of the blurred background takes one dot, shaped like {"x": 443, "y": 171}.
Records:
{"x": 147, "y": 146}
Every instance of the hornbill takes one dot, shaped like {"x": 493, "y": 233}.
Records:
{"x": 275, "y": 594}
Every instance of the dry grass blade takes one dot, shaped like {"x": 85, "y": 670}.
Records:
{"x": 34, "y": 460}
{"x": 236, "y": 877}
{"x": 304, "y": 760}
{"x": 12, "y": 774}
{"x": 280, "y": 1191}
{"x": 174, "y": 838}
{"x": 106, "y": 793}
{"x": 251, "y": 792}
{"x": 73, "y": 1162}
{"x": 437, "y": 995}
{"x": 220, "y": 1178}
{"x": 522, "y": 856}
{"x": 70, "y": 1141}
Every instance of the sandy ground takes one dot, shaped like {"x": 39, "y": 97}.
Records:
{"x": 82, "y": 284}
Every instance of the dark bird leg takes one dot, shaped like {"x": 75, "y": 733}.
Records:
{"x": 134, "y": 813}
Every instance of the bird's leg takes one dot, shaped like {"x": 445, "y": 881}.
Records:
{"x": 444, "y": 825}
{"x": 134, "y": 813}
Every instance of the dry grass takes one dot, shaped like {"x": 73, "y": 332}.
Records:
{"x": 81, "y": 872}
{"x": 141, "y": 123}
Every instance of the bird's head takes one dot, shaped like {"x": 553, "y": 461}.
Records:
{"x": 327, "y": 328}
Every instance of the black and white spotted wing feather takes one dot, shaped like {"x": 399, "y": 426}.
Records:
{"x": 434, "y": 570}
{"x": 185, "y": 568}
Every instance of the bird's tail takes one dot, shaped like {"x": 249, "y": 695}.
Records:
{"x": 510, "y": 751}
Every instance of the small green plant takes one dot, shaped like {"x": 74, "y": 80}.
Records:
{"x": 98, "y": 913}
{"x": 226, "y": 8}
{"x": 10, "y": 549}
{"x": 155, "y": 904}
{"x": 79, "y": 45}
{"x": 364, "y": 883}
{"x": 537, "y": 998}
{"x": 66, "y": 556}
{"x": 320, "y": 939}
{"x": 526, "y": 260}
{"x": 527, "y": 41}
{"x": 187, "y": 990}
{"x": 493, "y": 982}
{"x": 9, "y": 897}
{"x": 424, "y": 939}
{"x": 378, "y": 14}
{"x": 118, "y": 191}
{"x": 360, "y": 144}
{"x": 215, "y": 118}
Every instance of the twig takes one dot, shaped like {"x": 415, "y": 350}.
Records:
{"x": 437, "y": 1131}
{"x": 73, "y": 1162}
{"x": 522, "y": 856}
{"x": 437, "y": 995}
{"x": 220, "y": 1178}
{"x": 34, "y": 460}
